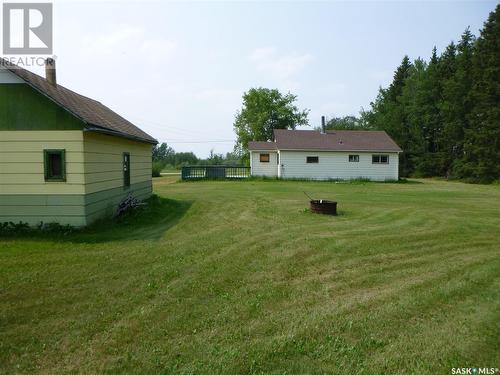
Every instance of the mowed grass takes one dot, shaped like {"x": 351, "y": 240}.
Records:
{"x": 240, "y": 278}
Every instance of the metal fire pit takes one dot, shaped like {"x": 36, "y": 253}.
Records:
{"x": 321, "y": 206}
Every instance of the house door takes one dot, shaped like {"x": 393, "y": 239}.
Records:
{"x": 126, "y": 169}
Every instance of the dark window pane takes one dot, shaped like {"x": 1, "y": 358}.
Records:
{"x": 375, "y": 158}
{"x": 55, "y": 165}
{"x": 384, "y": 159}
{"x": 264, "y": 158}
{"x": 354, "y": 158}
{"x": 312, "y": 159}
{"x": 126, "y": 169}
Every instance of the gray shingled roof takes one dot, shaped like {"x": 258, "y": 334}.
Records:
{"x": 334, "y": 140}
{"x": 96, "y": 116}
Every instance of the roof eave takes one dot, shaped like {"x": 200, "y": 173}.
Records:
{"x": 97, "y": 129}
{"x": 330, "y": 150}
{"x": 87, "y": 126}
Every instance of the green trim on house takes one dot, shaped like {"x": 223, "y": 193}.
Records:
{"x": 42, "y": 200}
{"x": 72, "y": 209}
{"x": 22, "y": 108}
{"x": 46, "y": 162}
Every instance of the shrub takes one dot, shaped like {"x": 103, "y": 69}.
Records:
{"x": 157, "y": 168}
{"x": 10, "y": 228}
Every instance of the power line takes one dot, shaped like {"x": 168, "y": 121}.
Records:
{"x": 172, "y": 128}
{"x": 182, "y": 132}
{"x": 216, "y": 141}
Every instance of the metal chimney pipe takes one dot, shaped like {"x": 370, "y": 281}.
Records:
{"x": 50, "y": 71}
{"x": 323, "y": 125}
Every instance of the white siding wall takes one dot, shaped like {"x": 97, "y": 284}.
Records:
{"x": 264, "y": 169}
{"x": 336, "y": 165}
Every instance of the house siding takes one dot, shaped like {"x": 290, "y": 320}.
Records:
{"x": 104, "y": 203}
{"x": 30, "y": 123}
{"x": 24, "y": 194}
{"x": 104, "y": 185}
{"x": 23, "y": 108}
{"x": 76, "y": 210}
{"x": 22, "y": 164}
{"x": 104, "y": 158}
{"x": 264, "y": 169}
{"x": 94, "y": 176}
{"x": 34, "y": 209}
{"x": 336, "y": 165}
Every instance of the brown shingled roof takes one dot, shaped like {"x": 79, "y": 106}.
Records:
{"x": 96, "y": 116}
{"x": 333, "y": 140}
{"x": 261, "y": 145}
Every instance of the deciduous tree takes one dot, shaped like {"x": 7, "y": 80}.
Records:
{"x": 263, "y": 111}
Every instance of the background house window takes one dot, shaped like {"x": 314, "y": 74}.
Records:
{"x": 264, "y": 158}
{"x": 312, "y": 159}
{"x": 380, "y": 159}
{"x": 354, "y": 158}
{"x": 54, "y": 165}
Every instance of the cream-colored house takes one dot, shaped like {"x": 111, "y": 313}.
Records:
{"x": 333, "y": 154}
{"x": 64, "y": 157}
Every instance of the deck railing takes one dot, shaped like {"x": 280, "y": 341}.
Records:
{"x": 217, "y": 172}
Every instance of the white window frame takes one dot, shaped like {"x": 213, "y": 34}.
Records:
{"x": 379, "y": 156}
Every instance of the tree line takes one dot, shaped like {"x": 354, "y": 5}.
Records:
{"x": 166, "y": 158}
{"x": 445, "y": 112}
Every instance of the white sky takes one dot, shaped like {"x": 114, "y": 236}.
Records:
{"x": 178, "y": 69}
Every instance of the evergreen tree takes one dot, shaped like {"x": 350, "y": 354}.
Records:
{"x": 445, "y": 114}
{"x": 402, "y": 72}
{"x": 457, "y": 105}
{"x": 388, "y": 113}
{"x": 446, "y": 69}
{"x": 420, "y": 108}
{"x": 482, "y": 137}
{"x": 433, "y": 86}
{"x": 426, "y": 113}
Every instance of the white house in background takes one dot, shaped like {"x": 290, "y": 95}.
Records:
{"x": 334, "y": 154}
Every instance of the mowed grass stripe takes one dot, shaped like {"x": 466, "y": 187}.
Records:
{"x": 238, "y": 277}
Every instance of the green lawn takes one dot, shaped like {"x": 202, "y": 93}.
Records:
{"x": 239, "y": 277}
